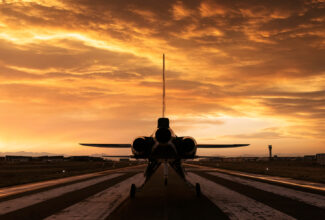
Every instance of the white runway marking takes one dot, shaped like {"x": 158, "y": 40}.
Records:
{"x": 235, "y": 205}
{"x": 25, "y": 201}
{"x": 309, "y": 198}
{"x": 102, "y": 204}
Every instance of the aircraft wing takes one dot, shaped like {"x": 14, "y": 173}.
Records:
{"x": 220, "y": 145}
{"x": 119, "y": 156}
{"x": 212, "y": 157}
{"x": 108, "y": 145}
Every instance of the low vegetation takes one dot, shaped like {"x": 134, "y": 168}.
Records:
{"x": 302, "y": 170}
{"x": 13, "y": 173}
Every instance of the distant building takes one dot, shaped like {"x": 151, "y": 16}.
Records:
{"x": 320, "y": 158}
{"x": 55, "y": 158}
{"x": 84, "y": 158}
{"x": 48, "y": 158}
{"x": 124, "y": 159}
{"x": 2, "y": 158}
{"x": 263, "y": 159}
{"x": 232, "y": 159}
{"x": 239, "y": 159}
{"x": 253, "y": 158}
{"x": 18, "y": 158}
{"x": 309, "y": 157}
{"x": 212, "y": 159}
{"x": 288, "y": 158}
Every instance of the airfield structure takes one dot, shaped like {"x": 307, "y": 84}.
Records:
{"x": 320, "y": 158}
{"x": 270, "y": 152}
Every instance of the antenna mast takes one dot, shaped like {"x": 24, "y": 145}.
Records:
{"x": 164, "y": 94}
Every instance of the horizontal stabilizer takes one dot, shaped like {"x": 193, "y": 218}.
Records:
{"x": 108, "y": 145}
{"x": 208, "y": 157}
{"x": 220, "y": 145}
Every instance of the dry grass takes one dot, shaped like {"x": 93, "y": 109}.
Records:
{"x": 303, "y": 170}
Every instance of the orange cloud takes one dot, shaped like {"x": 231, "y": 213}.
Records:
{"x": 237, "y": 71}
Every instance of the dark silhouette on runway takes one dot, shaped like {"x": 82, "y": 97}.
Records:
{"x": 164, "y": 147}
{"x": 174, "y": 201}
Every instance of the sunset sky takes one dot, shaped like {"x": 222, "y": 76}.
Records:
{"x": 240, "y": 71}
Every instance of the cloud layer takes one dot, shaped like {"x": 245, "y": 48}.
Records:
{"x": 91, "y": 70}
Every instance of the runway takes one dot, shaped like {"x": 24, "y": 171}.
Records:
{"x": 105, "y": 195}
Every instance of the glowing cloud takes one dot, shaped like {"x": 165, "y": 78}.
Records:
{"x": 74, "y": 71}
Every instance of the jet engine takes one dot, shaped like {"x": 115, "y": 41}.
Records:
{"x": 141, "y": 146}
{"x": 187, "y": 147}
{"x": 163, "y": 135}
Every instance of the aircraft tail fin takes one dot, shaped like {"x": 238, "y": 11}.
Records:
{"x": 164, "y": 93}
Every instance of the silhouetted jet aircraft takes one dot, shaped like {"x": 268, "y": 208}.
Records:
{"x": 164, "y": 147}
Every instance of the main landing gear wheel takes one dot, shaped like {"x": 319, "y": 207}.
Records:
{"x": 133, "y": 190}
{"x": 198, "y": 189}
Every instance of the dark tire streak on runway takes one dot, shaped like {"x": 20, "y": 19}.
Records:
{"x": 49, "y": 207}
{"x": 177, "y": 200}
{"x": 286, "y": 205}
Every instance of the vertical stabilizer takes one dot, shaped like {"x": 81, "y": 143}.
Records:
{"x": 164, "y": 94}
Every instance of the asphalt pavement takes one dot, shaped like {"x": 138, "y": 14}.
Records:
{"x": 105, "y": 195}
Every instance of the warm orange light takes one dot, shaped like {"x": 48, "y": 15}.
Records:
{"x": 72, "y": 72}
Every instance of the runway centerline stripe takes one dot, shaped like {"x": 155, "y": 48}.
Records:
{"x": 25, "y": 201}
{"x": 309, "y": 198}
{"x": 102, "y": 204}
{"x": 235, "y": 205}
{"x": 292, "y": 207}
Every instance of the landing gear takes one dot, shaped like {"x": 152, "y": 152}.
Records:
{"x": 133, "y": 191}
{"x": 166, "y": 181}
{"x": 178, "y": 168}
{"x": 151, "y": 168}
{"x": 198, "y": 189}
